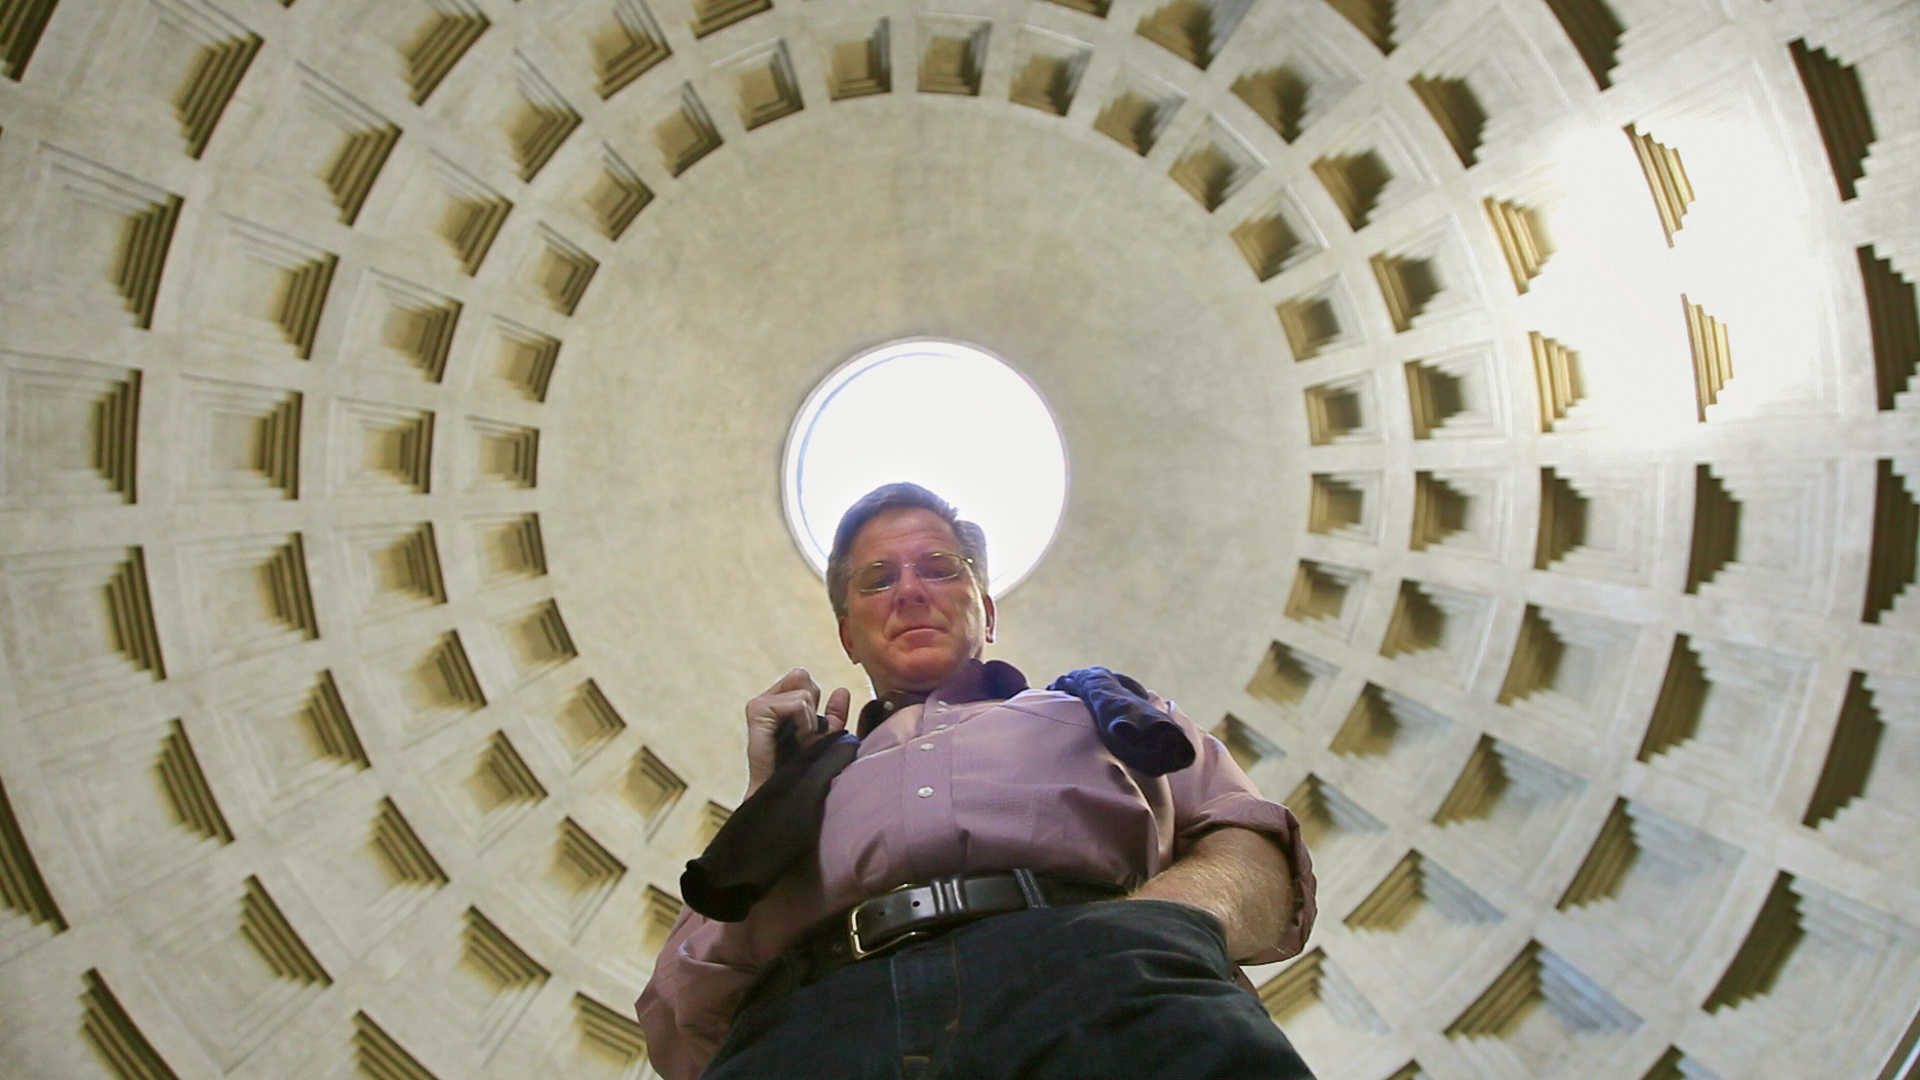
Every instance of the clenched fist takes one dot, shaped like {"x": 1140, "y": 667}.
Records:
{"x": 791, "y": 704}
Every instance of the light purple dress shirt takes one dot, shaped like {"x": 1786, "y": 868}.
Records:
{"x": 955, "y": 785}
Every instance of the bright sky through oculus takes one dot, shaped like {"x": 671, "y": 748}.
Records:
{"x": 941, "y": 414}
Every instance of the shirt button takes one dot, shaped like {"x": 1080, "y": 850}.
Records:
{"x": 925, "y": 793}
{"x": 926, "y": 746}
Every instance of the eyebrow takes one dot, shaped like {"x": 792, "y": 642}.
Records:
{"x": 929, "y": 551}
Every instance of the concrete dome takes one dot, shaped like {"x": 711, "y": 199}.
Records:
{"x": 1494, "y": 418}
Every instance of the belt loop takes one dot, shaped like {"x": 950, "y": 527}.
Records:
{"x": 1029, "y": 888}
{"x": 949, "y": 894}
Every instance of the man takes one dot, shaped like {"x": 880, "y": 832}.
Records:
{"x": 999, "y": 813}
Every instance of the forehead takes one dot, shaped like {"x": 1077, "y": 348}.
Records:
{"x": 904, "y": 531}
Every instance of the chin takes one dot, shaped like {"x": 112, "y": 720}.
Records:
{"x": 924, "y": 673}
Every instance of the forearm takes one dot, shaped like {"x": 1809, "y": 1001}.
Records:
{"x": 1238, "y": 875}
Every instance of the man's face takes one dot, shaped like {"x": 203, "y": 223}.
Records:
{"x": 912, "y": 636}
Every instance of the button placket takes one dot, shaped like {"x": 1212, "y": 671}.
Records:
{"x": 926, "y": 793}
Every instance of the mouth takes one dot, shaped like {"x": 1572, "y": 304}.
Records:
{"x": 912, "y": 630}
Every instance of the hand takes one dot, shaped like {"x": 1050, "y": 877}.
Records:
{"x": 794, "y": 700}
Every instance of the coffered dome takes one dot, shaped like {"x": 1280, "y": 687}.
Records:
{"x": 1494, "y": 419}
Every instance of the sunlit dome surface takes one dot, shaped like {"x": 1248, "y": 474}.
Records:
{"x": 1498, "y": 423}
{"x": 978, "y": 434}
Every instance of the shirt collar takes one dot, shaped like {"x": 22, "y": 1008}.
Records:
{"x": 975, "y": 680}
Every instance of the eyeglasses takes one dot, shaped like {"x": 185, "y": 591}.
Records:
{"x": 935, "y": 567}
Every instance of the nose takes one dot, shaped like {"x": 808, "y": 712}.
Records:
{"x": 909, "y": 585}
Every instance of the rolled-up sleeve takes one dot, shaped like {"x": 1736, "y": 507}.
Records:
{"x": 688, "y": 1003}
{"x": 1214, "y": 792}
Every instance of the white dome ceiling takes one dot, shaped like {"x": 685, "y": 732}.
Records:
{"x": 1492, "y": 417}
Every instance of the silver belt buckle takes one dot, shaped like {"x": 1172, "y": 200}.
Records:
{"x": 860, "y": 951}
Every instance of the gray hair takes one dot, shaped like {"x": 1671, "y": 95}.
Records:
{"x": 898, "y": 496}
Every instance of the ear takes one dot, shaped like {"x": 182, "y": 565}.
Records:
{"x": 846, "y": 639}
{"x": 987, "y": 602}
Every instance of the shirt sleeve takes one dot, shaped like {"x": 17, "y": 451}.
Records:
{"x": 688, "y": 1003}
{"x": 1214, "y": 792}
{"x": 706, "y": 967}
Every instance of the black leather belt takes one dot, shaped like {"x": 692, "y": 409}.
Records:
{"x": 913, "y": 913}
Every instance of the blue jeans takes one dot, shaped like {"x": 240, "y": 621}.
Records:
{"x": 1102, "y": 991}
